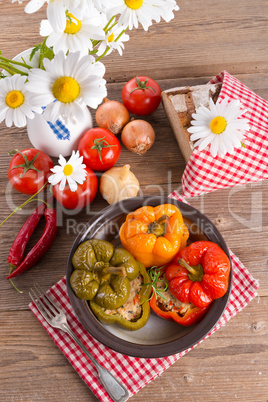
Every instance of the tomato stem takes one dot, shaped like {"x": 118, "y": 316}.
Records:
{"x": 141, "y": 85}
{"x": 27, "y": 165}
{"x": 99, "y": 144}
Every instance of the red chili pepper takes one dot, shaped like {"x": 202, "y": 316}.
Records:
{"x": 18, "y": 247}
{"x": 199, "y": 274}
{"x": 190, "y": 317}
{"x": 42, "y": 246}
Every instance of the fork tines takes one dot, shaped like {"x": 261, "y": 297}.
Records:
{"x": 43, "y": 301}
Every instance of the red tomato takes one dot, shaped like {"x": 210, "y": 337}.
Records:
{"x": 84, "y": 195}
{"x": 141, "y": 95}
{"x": 100, "y": 149}
{"x": 29, "y": 170}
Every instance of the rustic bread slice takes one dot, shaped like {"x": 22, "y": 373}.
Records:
{"x": 180, "y": 104}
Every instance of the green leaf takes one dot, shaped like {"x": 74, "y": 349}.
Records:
{"x": 35, "y": 49}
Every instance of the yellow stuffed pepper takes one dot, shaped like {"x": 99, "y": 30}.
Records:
{"x": 153, "y": 235}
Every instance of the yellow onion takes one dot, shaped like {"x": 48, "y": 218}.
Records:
{"x": 112, "y": 115}
{"x": 118, "y": 183}
{"x": 138, "y": 136}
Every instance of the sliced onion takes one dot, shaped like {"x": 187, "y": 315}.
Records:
{"x": 138, "y": 136}
{"x": 112, "y": 115}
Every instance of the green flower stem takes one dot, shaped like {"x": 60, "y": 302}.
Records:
{"x": 103, "y": 54}
{"x": 11, "y": 70}
{"x": 107, "y": 26}
{"x": 107, "y": 49}
{"x": 17, "y": 63}
{"x": 119, "y": 36}
{"x": 22, "y": 205}
{"x": 8, "y": 70}
{"x": 95, "y": 43}
{"x": 112, "y": 26}
{"x": 93, "y": 51}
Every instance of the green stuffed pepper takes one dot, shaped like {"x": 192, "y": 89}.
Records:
{"x": 112, "y": 281}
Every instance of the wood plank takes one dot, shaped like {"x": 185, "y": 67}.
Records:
{"x": 215, "y": 369}
{"x": 202, "y": 40}
{"x": 227, "y": 35}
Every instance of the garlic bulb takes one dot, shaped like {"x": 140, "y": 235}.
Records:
{"x": 118, "y": 183}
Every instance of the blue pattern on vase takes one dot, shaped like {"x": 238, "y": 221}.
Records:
{"x": 60, "y": 130}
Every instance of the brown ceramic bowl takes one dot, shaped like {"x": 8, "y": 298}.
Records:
{"x": 158, "y": 338}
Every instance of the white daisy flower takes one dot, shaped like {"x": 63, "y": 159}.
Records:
{"x": 220, "y": 126}
{"x": 77, "y": 33}
{"x": 34, "y": 5}
{"x": 55, "y": 11}
{"x": 83, "y": 4}
{"x": 114, "y": 39}
{"x": 167, "y": 10}
{"x": 73, "y": 172}
{"x": 134, "y": 12}
{"x": 15, "y": 103}
{"x": 67, "y": 85}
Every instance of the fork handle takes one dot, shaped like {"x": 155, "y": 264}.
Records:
{"x": 113, "y": 386}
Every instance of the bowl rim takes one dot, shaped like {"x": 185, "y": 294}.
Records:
{"x": 99, "y": 332}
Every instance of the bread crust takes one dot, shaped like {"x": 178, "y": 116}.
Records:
{"x": 180, "y": 103}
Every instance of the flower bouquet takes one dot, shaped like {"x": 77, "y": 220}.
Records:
{"x": 62, "y": 76}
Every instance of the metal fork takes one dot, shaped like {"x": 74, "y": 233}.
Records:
{"x": 55, "y": 317}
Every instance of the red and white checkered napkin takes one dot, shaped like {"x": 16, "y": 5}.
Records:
{"x": 204, "y": 174}
{"x": 135, "y": 373}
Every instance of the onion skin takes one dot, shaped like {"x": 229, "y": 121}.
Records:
{"x": 138, "y": 136}
{"x": 118, "y": 183}
{"x": 112, "y": 115}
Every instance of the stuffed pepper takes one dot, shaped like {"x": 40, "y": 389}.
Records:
{"x": 154, "y": 235}
{"x": 167, "y": 306}
{"x": 112, "y": 280}
{"x": 199, "y": 273}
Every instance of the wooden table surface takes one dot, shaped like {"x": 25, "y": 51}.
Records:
{"x": 204, "y": 38}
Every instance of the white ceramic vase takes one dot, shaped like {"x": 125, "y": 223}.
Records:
{"x": 59, "y": 138}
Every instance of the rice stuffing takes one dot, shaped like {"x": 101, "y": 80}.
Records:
{"x": 132, "y": 309}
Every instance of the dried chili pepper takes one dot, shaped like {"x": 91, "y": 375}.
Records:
{"x": 18, "y": 247}
{"x": 42, "y": 245}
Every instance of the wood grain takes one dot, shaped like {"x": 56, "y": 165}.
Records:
{"x": 204, "y": 38}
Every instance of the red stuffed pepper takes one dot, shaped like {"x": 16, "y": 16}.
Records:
{"x": 166, "y": 306}
{"x": 186, "y": 315}
{"x": 199, "y": 274}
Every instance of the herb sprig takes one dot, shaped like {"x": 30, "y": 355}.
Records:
{"x": 155, "y": 273}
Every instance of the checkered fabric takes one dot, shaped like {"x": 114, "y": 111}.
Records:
{"x": 60, "y": 130}
{"x": 204, "y": 174}
{"x": 135, "y": 373}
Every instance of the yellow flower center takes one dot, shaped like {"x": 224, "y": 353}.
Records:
{"x": 133, "y": 4}
{"x": 68, "y": 170}
{"x": 73, "y": 25}
{"x": 14, "y": 99}
{"x": 111, "y": 37}
{"x": 218, "y": 125}
{"x": 66, "y": 89}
